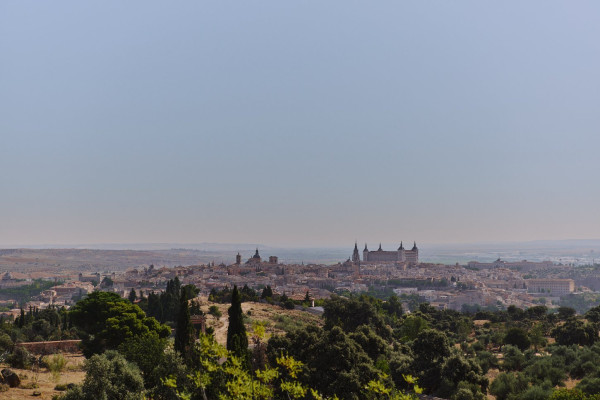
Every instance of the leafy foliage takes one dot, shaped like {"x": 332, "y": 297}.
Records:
{"x": 575, "y": 331}
{"x": 109, "y": 377}
{"x": 165, "y": 306}
{"x": 351, "y": 313}
{"x": 367, "y": 349}
{"x": 517, "y": 337}
{"x": 147, "y": 352}
{"x": 106, "y": 320}
{"x": 432, "y": 348}
{"x": 224, "y": 295}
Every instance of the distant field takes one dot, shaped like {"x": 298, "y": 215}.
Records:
{"x": 53, "y": 260}
{"x": 56, "y": 260}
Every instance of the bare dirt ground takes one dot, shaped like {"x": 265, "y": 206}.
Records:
{"x": 274, "y": 317}
{"x": 73, "y": 373}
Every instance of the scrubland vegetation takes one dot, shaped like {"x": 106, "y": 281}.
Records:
{"x": 365, "y": 348}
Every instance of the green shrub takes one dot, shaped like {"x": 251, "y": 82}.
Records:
{"x": 19, "y": 358}
{"x": 513, "y": 358}
{"x": 463, "y": 394}
{"x": 507, "y": 384}
{"x": 214, "y": 311}
{"x": 517, "y": 337}
{"x": 536, "y": 393}
{"x": 110, "y": 377}
{"x": 6, "y": 342}
{"x": 55, "y": 363}
{"x": 589, "y": 385}
{"x": 487, "y": 360}
{"x": 289, "y": 304}
{"x": 477, "y": 346}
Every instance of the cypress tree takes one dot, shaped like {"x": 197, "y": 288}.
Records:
{"x": 185, "y": 336}
{"x": 170, "y": 299}
{"x": 132, "y": 295}
{"x": 237, "y": 340}
{"x": 267, "y": 292}
{"x": 65, "y": 318}
{"x": 155, "y": 308}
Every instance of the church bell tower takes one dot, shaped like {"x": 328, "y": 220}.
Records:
{"x": 355, "y": 255}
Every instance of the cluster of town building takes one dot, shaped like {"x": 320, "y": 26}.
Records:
{"x": 498, "y": 283}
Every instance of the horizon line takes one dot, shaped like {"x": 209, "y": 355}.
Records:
{"x": 181, "y": 245}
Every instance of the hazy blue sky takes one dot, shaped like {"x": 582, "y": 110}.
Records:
{"x": 305, "y": 122}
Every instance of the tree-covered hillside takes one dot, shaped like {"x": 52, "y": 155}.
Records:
{"x": 366, "y": 348}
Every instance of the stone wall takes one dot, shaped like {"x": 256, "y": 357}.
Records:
{"x": 64, "y": 346}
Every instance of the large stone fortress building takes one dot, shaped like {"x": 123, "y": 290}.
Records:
{"x": 397, "y": 256}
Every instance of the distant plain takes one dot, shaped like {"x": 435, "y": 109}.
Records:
{"x": 118, "y": 257}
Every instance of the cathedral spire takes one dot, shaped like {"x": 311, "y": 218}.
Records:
{"x": 401, "y": 246}
{"x": 355, "y": 255}
{"x": 379, "y": 247}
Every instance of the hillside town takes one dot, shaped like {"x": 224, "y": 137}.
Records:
{"x": 494, "y": 285}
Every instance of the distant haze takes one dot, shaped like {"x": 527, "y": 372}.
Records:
{"x": 127, "y": 255}
{"x": 299, "y": 123}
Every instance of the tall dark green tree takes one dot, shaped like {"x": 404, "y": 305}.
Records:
{"x": 21, "y": 319}
{"x": 267, "y": 292}
{"x": 307, "y": 297}
{"x": 189, "y": 292}
{"x": 185, "y": 336}
{"x": 237, "y": 340}
{"x": 155, "y": 308}
{"x": 170, "y": 299}
{"x": 132, "y": 295}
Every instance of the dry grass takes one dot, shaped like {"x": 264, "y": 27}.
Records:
{"x": 73, "y": 373}
{"x": 274, "y": 317}
{"x": 571, "y": 383}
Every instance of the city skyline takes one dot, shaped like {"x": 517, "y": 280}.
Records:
{"x": 298, "y": 124}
